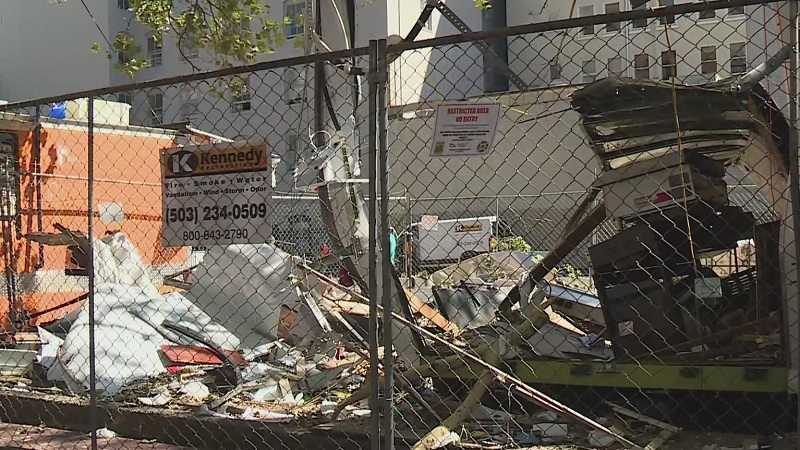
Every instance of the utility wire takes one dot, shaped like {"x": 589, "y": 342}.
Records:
{"x": 102, "y": 33}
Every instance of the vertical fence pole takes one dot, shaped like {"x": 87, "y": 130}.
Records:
{"x": 90, "y": 226}
{"x": 374, "y": 401}
{"x": 387, "y": 280}
{"x": 794, "y": 164}
{"x": 406, "y": 240}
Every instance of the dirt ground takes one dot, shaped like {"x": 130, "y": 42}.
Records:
{"x": 22, "y": 437}
{"x": 688, "y": 440}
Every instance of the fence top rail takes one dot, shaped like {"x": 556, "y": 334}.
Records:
{"x": 576, "y": 22}
{"x": 198, "y": 76}
{"x": 554, "y": 25}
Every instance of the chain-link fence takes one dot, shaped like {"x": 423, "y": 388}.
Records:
{"x": 645, "y": 305}
{"x": 572, "y": 229}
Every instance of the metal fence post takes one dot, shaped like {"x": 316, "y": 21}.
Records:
{"x": 374, "y": 360}
{"x": 386, "y": 282}
{"x": 91, "y": 300}
{"x": 794, "y": 164}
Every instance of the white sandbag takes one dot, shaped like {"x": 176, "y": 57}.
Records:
{"x": 128, "y": 311}
{"x": 176, "y": 308}
{"x": 126, "y": 347}
{"x": 242, "y": 287}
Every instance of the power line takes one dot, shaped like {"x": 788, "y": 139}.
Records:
{"x": 102, "y": 33}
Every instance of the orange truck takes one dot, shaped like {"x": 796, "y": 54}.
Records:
{"x": 44, "y": 188}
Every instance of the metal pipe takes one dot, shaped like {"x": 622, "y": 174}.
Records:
{"x": 794, "y": 164}
{"x": 386, "y": 272}
{"x": 374, "y": 375}
{"x": 575, "y": 22}
{"x": 37, "y": 167}
{"x": 90, "y": 227}
{"x": 753, "y": 77}
{"x": 319, "y": 83}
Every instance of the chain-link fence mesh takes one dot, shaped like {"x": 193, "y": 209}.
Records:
{"x": 600, "y": 234}
{"x": 580, "y": 236}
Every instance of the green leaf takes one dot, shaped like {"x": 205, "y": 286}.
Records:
{"x": 222, "y": 28}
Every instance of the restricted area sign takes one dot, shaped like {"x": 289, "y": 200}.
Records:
{"x": 216, "y": 194}
{"x": 464, "y": 129}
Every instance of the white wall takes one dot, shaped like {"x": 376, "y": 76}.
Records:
{"x": 450, "y": 72}
{"x": 548, "y": 154}
{"x": 45, "y": 48}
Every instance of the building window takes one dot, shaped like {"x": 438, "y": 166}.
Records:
{"x": 736, "y": 11}
{"x": 615, "y": 67}
{"x": 641, "y": 65}
{"x": 240, "y": 100}
{"x": 9, "y": 179}
{"x": 293, "y": 11}
{"x": 708, "y": 14}
{"x": 639, "y": 23}
{"x": 669, "y": 68}
{"x": 589, "y": 71}
{"x": 125, "y": 97}
{"x": 428, "y": 25}
{"x": 738, "y": 58}
{"x": 154, "y": 51}
{"x": 155, "y": 101}
{"x": 191, "y": 100}
{"x": 555, "y": 70}
{"x": 124, "y": 4}
{"x": 666, "y": 20}
{"x": 612, "y": 8}
{"x": 708, "y": 60}
{"x": 293, "y": 85}
{"x": 586, "y": 11}
{"x": 188, "y": 49}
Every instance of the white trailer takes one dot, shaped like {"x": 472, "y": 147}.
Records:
{"x": 438, "y": 243}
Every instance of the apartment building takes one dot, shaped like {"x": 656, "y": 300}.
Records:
{"x": 692, "y": 48}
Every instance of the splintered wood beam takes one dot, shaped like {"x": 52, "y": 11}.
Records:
{"x": 568, "y": 242}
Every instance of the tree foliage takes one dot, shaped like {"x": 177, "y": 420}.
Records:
{"x": 228, "y": 32}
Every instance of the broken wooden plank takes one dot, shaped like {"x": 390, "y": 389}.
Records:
{"x": 646, "y": 419}
{"x": 568, "y": 242}
{"x": 535, "y": 313}
{"x": 418, "y": 306}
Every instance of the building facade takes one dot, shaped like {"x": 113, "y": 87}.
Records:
{"x": 690, "y": 49}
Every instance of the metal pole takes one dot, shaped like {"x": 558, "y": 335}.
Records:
{"x": 37, "y": 168}
{"x": 319, "y": 83}
{"x": 386, "y": 282}
{"x": 406, "y": 240}
{"x": 90, "y": 226}
{"x": 794, "y": 164}
{"x": 374, "y": 401}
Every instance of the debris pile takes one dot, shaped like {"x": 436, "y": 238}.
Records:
{"x": 255, "y": 333}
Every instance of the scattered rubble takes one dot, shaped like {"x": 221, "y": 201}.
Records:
{"x": 258, "y": 334}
